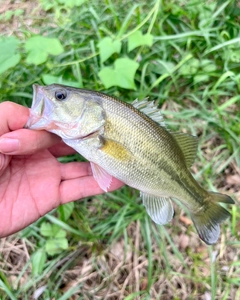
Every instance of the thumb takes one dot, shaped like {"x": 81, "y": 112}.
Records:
{"x": 14, "y": 140}
{"x": 25, "y": 141}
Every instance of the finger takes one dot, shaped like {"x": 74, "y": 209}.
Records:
{"x": 4, "y": 161}
{"x": 61, "y": 149}
{"x": 13, "y": 116}
{"x": 14, "y": 139}
{"x": 75, "y": 189}
{"x": 25, "y": 141}
{"x": 75, "y": 170}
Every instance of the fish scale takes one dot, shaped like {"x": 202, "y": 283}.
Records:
{"x": 144, "y": 149}
{"x": 131, "y": 143}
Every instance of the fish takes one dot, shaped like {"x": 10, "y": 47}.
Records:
{"x": 132, "y": 143}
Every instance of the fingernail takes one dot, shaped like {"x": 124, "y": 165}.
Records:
{"x": 8, "y": 145}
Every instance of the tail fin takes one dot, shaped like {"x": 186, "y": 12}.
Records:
{"x": 207, "y": 220}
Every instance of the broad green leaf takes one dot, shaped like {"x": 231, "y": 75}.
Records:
{"x": 52, "y": 230}
{"x": 190, "y": 67}
{"x": 200, "y": 78}
{"x": 65, "y": 211}
{"x": 121, "y": 75}
{"x": 50, "y": 79}
{"x": 46, "y": 229}
{"x": 138, "y": 39}
{"x": 205, "y": 15}
{"x": 58, "y": 232}
{"x": 71, "y": 3}
{"x": 9, "y": 63}
{"x": 234, "y": 55}
{"x": 107, "y": 47}
{"x": 38, "y": 260}
{"x": 162, "y": 67}
{"x": 56, "y": 245}
{"x": 8, "y": 15}
{"x": 60, "y": 5}
{"x": 18, "y": 12}
{"x": 39, "y": 47}
{"x": 49, "y": 45}
{"x": 208, "y": 65}
{"x": 37, "y": 57}
{"x": 46, "y": 5}
{"x": 8, "y": 56}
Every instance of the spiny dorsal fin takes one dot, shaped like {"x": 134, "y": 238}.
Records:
{"x": 188, "y": 144}
{"x": 150, "y": 109}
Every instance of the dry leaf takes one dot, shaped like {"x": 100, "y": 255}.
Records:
{"x": 184, "y": 241}
{"x": 233, "y": 179}
{"x": 185, "y": 220}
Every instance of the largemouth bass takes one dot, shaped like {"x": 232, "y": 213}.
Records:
{"x": 131, "y": 143}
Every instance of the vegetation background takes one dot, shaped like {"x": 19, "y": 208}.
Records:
{"x": 185, "y": 55}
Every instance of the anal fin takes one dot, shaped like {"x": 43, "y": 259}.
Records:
{"x": 103, "y": 179}
{"x": 160, "y": 209}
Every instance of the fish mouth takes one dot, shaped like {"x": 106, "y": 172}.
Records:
{"x": 43, "y": 116}
{"x": 40, "y": 110}
{"x": 91, "y": 135}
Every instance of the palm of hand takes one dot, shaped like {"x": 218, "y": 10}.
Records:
{"x": 32, "y": 180}
{"x": 29, "y": 188}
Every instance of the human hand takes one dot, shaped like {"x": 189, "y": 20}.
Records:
{"x": 32, "y": 180}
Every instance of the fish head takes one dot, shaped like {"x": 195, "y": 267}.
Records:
{"x": 68, "y": 112}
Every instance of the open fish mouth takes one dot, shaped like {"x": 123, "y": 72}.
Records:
{"x": 40, "y": 111}
{"x": 32, "y": 120}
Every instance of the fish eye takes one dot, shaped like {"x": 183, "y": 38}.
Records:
{"x": 61, "y": 95}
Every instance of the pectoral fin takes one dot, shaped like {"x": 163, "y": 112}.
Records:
{"x": 103, "y": 179}
{"x": 160, "y": 209}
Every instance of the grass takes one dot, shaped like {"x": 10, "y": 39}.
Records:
{"x": 192, "y": 69}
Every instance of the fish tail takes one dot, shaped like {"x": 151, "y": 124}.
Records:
{"x": 208, "y": 219}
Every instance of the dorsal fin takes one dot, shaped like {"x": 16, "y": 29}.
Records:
{"x": 150, "y": 109}
{"x": 188, "y": 144}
